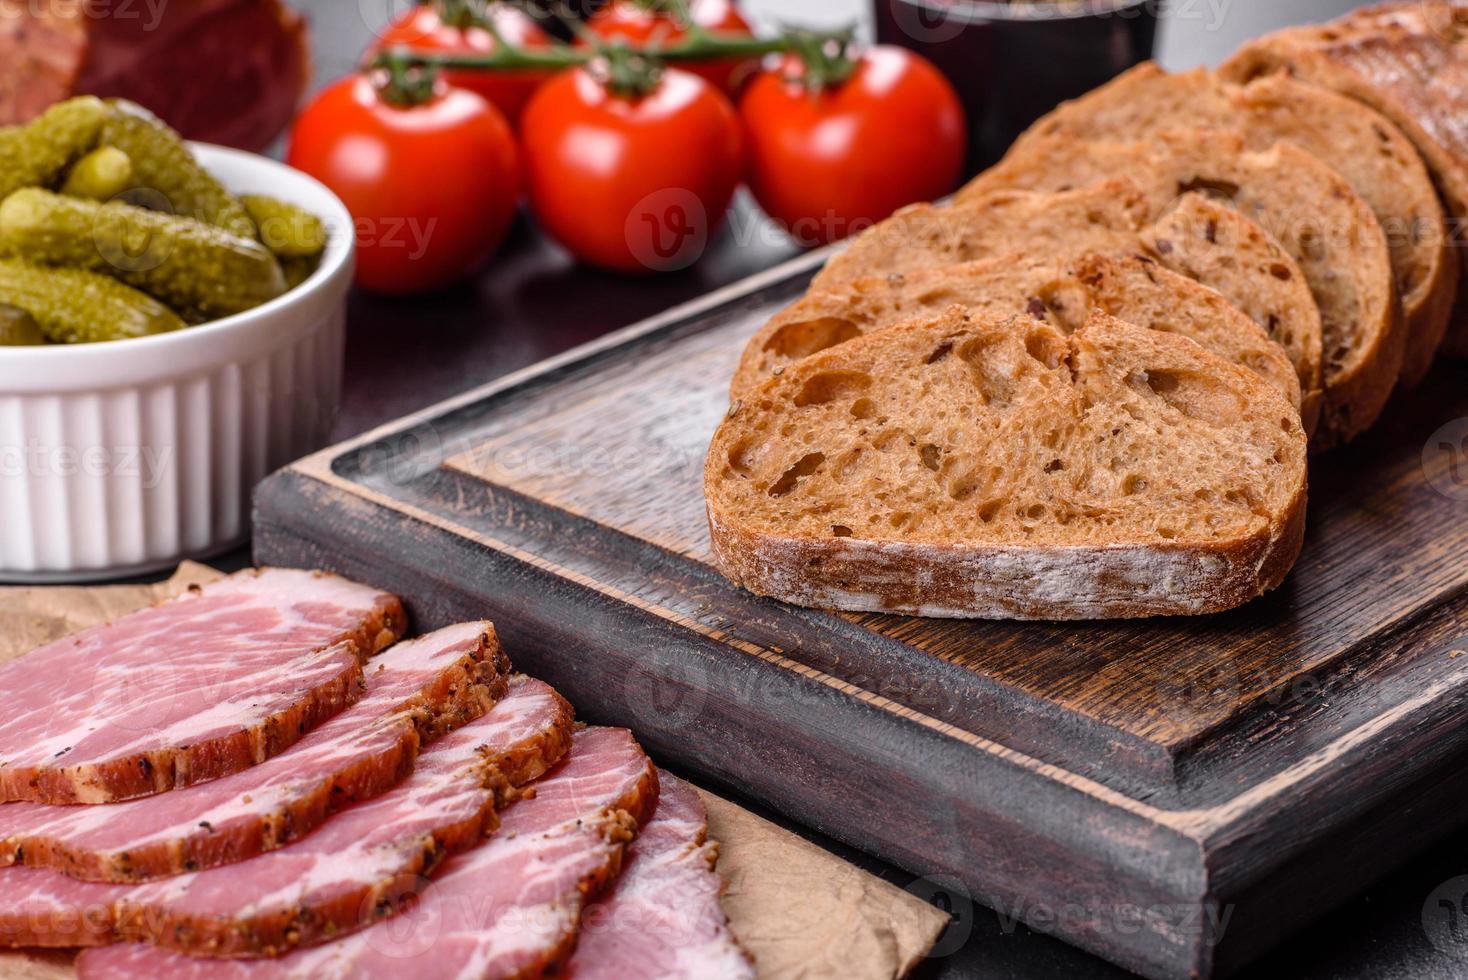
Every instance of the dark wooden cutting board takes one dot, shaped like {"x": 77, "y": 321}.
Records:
{"x": 1174, "y": 795}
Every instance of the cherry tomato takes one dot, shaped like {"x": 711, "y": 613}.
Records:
{"x": 828, "y": 163}
{"x": 432, "y": 188}
{"x": 649, "y": 22}
{"x": 423, "y": 29}
{"x": 631, "y": 183}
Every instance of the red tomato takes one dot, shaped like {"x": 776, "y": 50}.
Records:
{"x": 827, "y": 164}
{"x": 432, "y": 188}
{"x": 644, "y": 23}
{"x": 423, "y": 29}
{"x": 634, "y": 184}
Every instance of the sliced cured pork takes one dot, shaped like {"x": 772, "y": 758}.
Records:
{"x": 353, "y": 870}
{"x": 662, "y": 920}
{"x": 216, "y": 680}
{"x": 416, "y": 691}
{"x": 510, "y": 907}
{"x": 222, "y": 71}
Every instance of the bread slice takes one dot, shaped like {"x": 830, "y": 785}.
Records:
{"x": 1409, "y": 62}
{"x": 1365, "y": 147}
{"x": 1197, "y": 238}
{"x": 1307, "y": 206}
{"x": 1049, "y": 290}
{"x": 968, "y": 466}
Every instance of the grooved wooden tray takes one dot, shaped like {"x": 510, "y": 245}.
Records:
{"x": 1174, "y": 795}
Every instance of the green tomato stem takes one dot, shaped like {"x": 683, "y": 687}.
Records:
{"x": 700, "y": 47}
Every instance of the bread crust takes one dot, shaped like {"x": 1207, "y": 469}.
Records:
{"x": 769, "y": 535}
{"x": 1368, "y": 150}
{"x": 1058, "y": 289}
{"x": 1011, "y": 583}
{"x": 1409, "y": 62}
{"x": 1195, "y": 237}
{"x": 1329, "y": 231}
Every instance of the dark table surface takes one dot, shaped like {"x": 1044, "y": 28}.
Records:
{"x": 532, "y": 301}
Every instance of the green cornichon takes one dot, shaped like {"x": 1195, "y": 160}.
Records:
{"x": 201, "y": 271}
{"x": 71, "y": 306}
{"x": 100, "y": 175}
{"x": 288, "y": 230}
{"x": 299, "y": 270}
{"x": 18, "y": 328}
{"x": 36, "y": 154}
{"x": 165, "y": 170}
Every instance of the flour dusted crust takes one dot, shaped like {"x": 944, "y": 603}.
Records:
{"x": 1044, "y": 584}
{"x": 1365, "y": 147}
{"x": 979, "y": 467}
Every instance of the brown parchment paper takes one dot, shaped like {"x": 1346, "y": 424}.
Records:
{"x": 802, "y": 912}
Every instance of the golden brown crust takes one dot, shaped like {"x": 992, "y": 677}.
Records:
{"x": 1195, "y": 237}
{"x": 1368, "y": 150}
{"x": 1331, "y": 232}
{"x": 1409, "y": 62}
{"x": 1055, "y": 584}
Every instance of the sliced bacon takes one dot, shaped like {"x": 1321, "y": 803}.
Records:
{"x": 352, "y": 871}
{"x": 416, "y": 691}
{"x": 662, "y": 920}
{"x": 510, "y": 907}
{"x": 204, "y": 685}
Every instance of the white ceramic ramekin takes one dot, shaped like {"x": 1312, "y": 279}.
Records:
{"x": 121, "y": 458}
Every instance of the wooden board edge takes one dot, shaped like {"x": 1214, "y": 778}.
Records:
{"x": 901, "y": 790}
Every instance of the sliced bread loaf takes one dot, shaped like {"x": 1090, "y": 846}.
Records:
{"x": 1099, "y": 218}
{"x": 1049, "y": 290}
{"x": 1309, "y": 208}
{"x": 1365, "y": 147}
{"x": 1197, "y": 238}
{"x": 1408, "y": 61}
{"x": 969, "y": 466}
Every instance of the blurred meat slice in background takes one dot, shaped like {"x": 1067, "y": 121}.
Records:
{"x": 222, "y": 71}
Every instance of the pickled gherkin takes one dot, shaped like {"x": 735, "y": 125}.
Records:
{"x": 18, "y": 328}
{"x": 201, "y": 271}
{"x": 288, "y": 230}
{"x": 100, "y": 175}
{"x": 165, "y": 169}
{"x": 299, "y": 270}
{"x": 36, "y": 154}
{"x": 71, "y": 306}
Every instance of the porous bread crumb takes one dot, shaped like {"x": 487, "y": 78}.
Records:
{"x": 968, "y": 465}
